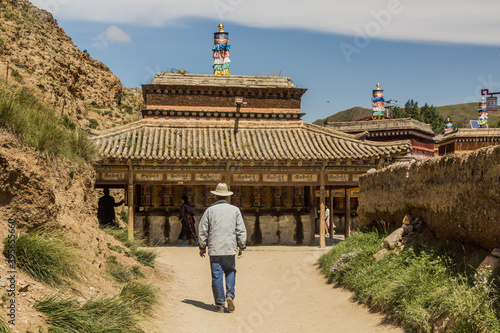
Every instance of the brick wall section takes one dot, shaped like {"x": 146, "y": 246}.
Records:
{"x": 221, "y": 101}
{"x": 458, "y": 196}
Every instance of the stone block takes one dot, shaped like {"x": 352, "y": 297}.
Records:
{"x": 175, "y": 229}
{"x": 490, "y": 263}
{"x": 286, "y": 227}
{"x": 197, "y": 220}
{"x": 407, "y": 228}
{"x": 250, "y": 226}
{"x": 380, "y": 254}
{"x": 139, "y": 223}
{"x": 392, "y": 240}
{"x": 336, "y": 221}
{"x": 407, "y": 219}
{"x": 354, "y": 222}
{"x": 306, "y": 229}
{"x": 156, "y": 229}
{"x": 269, "y": 228}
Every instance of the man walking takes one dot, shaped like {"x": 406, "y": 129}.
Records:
{"x": 222, "y": 229}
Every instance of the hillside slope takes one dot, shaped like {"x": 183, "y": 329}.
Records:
{"x": 351, "y": 114}
{"x": 460, "y": 114}
{"x": 39, "y": 55}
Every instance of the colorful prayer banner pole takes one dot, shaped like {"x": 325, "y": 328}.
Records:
{"x": 448, "y": 125}
{"x": 378, "y": 101}
{"x": 483, "y": 114}
{"x": 221, "y": 52}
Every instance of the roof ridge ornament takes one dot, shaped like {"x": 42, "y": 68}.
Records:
{"x": 221, "y": 52}
{"x": 378, "y": 103}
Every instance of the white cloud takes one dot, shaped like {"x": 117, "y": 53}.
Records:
{"x": 456, "y": 21}
{"x": 110, "y": 35}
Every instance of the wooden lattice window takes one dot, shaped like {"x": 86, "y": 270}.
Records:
{"x": 298, "y": 196}
{"x": 257, "y": 196}
{"x": 236, "y": 196}
{"x": 277, "y": 196}
{"x": 146, "y": 195}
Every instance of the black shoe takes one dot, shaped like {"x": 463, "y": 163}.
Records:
{"x": 230, "y": 304}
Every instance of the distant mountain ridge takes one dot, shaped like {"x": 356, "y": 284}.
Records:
{"x": 351, "y": 114}
{"x": 460, "y": 115}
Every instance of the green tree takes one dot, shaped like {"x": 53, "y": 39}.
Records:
{"x": 430, "y": 116}
{"x": 412, "y": 111}
{"x": 397, "y": 112}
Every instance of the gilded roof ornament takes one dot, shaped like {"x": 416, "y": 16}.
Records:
{"x": 221, "y": 27}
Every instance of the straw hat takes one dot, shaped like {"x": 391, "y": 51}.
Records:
{"x": 221, "y": 190}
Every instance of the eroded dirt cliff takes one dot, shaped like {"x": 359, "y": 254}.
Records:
{"x": 39, "y": 55}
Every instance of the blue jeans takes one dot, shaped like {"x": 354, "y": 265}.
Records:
{"x": 220, "y": 266}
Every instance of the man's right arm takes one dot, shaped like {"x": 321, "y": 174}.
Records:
{"x": 241, "y": 231}
{"x": 203, "y": 231}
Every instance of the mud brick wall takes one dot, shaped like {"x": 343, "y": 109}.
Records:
{"x": 458, "y": 196}
{"x": 221, "y": 101}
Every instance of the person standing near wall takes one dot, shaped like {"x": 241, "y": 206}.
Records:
{"x": 188, "y": 231}
{"x": 106, "y": 208}
{"x": 223, "y": 231}
{"x": 327, "y": 221}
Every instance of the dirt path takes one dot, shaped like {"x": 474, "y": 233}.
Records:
{"x": 278, "y": 289}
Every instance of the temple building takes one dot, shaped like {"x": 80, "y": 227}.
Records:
{"x": 464, "y": 140}
{"x": 380, "y": 128}
{"x": 201, "y": 130}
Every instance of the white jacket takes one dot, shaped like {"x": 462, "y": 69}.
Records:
{"x": 222, "y": 229}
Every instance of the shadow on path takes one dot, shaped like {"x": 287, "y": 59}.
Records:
{"x": 199, "y": 304}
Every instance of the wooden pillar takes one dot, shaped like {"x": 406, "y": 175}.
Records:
{"x": 347, "y": 213}
{"x": 321, "y": 222}
{"x": 312, "y": 198}
{"x": 227, "y": 177}
{"x": 131, "y": 203}
{"x": 331, "y": 213}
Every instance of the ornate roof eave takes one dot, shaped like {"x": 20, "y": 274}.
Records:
{"x": 211, "y": 114}
{"x": 185, "y": 90}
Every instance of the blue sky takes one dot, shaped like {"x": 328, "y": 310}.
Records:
{"x": 440, "y": 54}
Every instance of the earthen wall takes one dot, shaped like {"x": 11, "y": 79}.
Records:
{"x": 457, "y": 195}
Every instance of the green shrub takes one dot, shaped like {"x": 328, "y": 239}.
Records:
{"x": 44, "y": 256}
{"x": 145, "y": 257}
{"x": 141, "y": 296}
{"x": 4, "y": 328}
{"x": 93, "y": 123}
{"x": 98, "y": 315}
{"x": 136, "y": 271}
{"x": 68, "y": 123}
{"x": 16, "y": 75}
{"x": 81, "y": 146}
{"x": 121, "y": 235}
{"x": 417, "y": 286}
{"x": 119, "y": 272}
{"x": 38, "y": 126}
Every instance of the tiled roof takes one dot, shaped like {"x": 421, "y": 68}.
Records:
{"x": 469, "y": 133}
{"x": 161, "y": 139}
{"x": 381, "y": 125}
{"x": 224, "y": 80}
